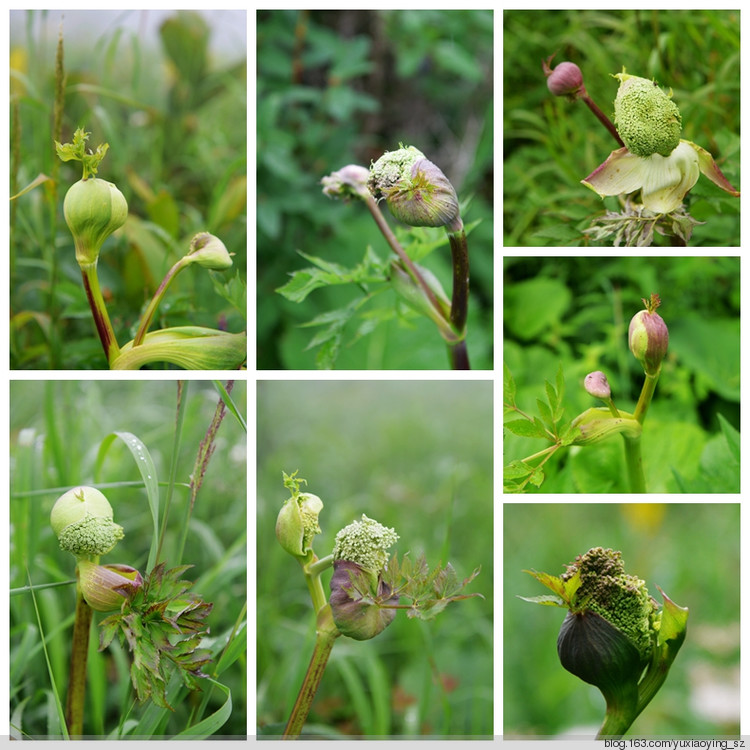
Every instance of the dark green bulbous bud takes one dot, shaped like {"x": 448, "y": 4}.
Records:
{"x": 416, "y": 191}
{"x": 106, "y": 587}
{"x": 648, "y": 336}
{"x": 352, "y": 595}
{"x": 594, "y": 650}
{"x": 93, "y": 209}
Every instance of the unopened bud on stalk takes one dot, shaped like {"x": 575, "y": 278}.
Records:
{"x": 82, "y": 521}
{"x": 106, "y": 587}
{"x": 93, "y": 208}
{"x": 596, "y": 385}
{"x": 210, "y": 252}
{"x": 564, "y": 80}
{"x": 416, "y": 191}
{"x": 297, "y": 523}
{"x": 648, "y": 336}
{"x": 348, "y": 182}
{"x": 360, "y": 599}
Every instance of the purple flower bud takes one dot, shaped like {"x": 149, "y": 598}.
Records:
{"x": 596, "y": 385}
{"x": 648, "y": 336}
{"x": 564, "y": 80}
{"x": 359, "y": 611}
{"x": 106, "y": 587}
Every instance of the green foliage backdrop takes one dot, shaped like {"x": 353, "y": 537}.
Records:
{"x": 342, "y": 87}
{"x": 551, "y": 144}
{"x": 691, "y": 550}
{"x": 175, "y": 120}
{"x": 576, "y": 312}
{"x": 413, "y": 455}
{"x": 56, "y": 431}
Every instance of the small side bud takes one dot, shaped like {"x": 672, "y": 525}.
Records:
{"x": 106, "y": 587}
{"x": 596, "y": 385}
{"x": 348, "y": 182}
{"x": 82, "y": 521}
{"x": 210, "y": 252}
{"x": 564, "y": 80}
{"x": 648, "y": 336}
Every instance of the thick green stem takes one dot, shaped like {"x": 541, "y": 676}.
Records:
{"x": 326, "y": 636}
{"x": 633, "y": 457}
{"x": 312, "y": 571}
{"x": 634, "y": 463}
{"x": 148, "y": 315}
{"x": 74, "y": 708}
{"x": 647, "y": 393}
{"x": 99, "y": 311}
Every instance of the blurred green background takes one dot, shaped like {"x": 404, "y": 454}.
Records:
{"x": 692, "y": 551}
{"x": 576, "y": 312}
{"x": 413, "y": 455}
{"x": 342, "y": 87}
{"x": 550, "y": 144}
{"x": 167, "y": 91}
{"x": 56, "y": 429}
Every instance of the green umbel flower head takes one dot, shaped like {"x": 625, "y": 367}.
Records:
{"x": 366, "y": 543}
{"x": 82, "y": 521}
{"x": 647, "y": 120}
{"x": 621, "y": 599}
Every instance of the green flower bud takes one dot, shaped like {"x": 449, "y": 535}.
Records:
{"x": 297, "y": 523}
{"x": 82, "y": 521}
{"x": 613, "y": 635}
{"x": 107, "y": 587}
{"x": 416, "y": 191}
{"x": 210, "y": 252}
{"x": 621, "y": 599}
{"x": 93, "y": 209}
{"x": 647, "y": 120}
{"x": 648, "y": 336}
{"x": 366, "y": 543}
{"x": 355, "y": 612}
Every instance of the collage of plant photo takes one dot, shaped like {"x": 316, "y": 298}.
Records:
{"x": 285, "y": 521}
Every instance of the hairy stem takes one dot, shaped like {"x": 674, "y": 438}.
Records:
{"x": 326, "y": 636}
{"x": 99, "y": 311}
{"x": 74, "y": 708}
